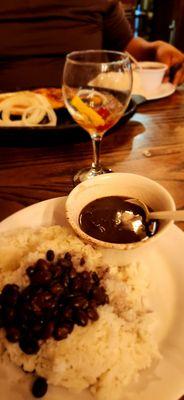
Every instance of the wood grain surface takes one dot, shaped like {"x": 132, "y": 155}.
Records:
{"x": 150, "y": 144}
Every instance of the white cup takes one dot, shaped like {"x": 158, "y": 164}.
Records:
{"x": 151, "y": 75}
{"x": 135, "y": 186}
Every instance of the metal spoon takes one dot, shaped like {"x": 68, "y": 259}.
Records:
{"x": 134, "y": 60}
{"x": 177, "y": 215}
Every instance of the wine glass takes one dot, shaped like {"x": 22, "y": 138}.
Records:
{"x": 97, "y": 87}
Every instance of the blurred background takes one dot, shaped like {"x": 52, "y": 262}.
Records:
{"x": 157, "y": 19}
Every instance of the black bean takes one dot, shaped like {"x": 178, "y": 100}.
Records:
{"x": 56, "y": 271}
{"x": 50, "y": 306}
{"x": 1, "y": 320}
{"x": 61, "y": 303}
{"x": 12, "y": 334}
{"x": 82, "y": 261}
{"x": 10, "y": 294}
{"x": 95, "y": 278}
{"x": 29, "y": 345}
{"x": 70, "y": 326}
{"x": 79, "y": 302}
{"x": 26, "y": 295}
{"x": 41, "y": 263}
{"x": 43, "y": 302}
{"x": 87, "y": 285}
{"x": 67, "y": 314}
{"x": 37, "y": 326}
{"x": 25, "y": 328}
{"x": 50, "y": 255}
{"x": 68, "y": 256}
{"x": 36, "y": 307}
{"x": 48, "y": 330}
{"x": 30, "y": 271}
{"x": 65, "y": 263}
{"x": 61, "y": 332}
{"x": 65, "y": 279}
{"x": 57, "y": 288}
{"x": 81, "y": 318}
{"x": 99, "y": 294}
{"x": 92, "y": 313}
{"x": 9, "y": 315}
{"x": 44, "y": 297}
{"x": 39, "y": 388}
{"x": 85, "y": 275}
{"x": 76, "y": 284}
{"x": 92, "y": 303}
{"x": 72, "y": 273}
{"x": 24, "y": 313}
{"x": 41, "y": 276}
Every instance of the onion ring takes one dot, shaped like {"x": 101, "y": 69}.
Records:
{"x": 90, "y": 93}
{"x": 31, "y": 107}
{"x": 29, "y": 120}
{"x": 20, "y": 99}
{"x": 11, "y": 123}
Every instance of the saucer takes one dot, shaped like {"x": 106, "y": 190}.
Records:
{"x": 166, "y": 89}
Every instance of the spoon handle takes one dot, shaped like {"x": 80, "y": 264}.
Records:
{"x": 134, "y": 60}
{"x": 177, "y": 215}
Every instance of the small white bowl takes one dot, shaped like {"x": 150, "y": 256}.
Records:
{"x": 151, "y": 75}
{"x": 118, "y": 184}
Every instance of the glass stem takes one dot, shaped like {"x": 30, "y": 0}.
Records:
{"x": 96, "y": 142}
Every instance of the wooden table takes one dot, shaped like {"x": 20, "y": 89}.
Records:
{"x": 151, "y": 144}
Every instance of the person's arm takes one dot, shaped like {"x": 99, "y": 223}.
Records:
{"x": 160, "y": 51}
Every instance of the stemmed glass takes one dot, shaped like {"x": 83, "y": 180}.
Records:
{"x": 97, "y": 87}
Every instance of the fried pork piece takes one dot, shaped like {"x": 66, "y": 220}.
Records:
{"x": 53, "y": 95}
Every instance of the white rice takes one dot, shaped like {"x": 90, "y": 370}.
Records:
{"x": 108, "y": 353}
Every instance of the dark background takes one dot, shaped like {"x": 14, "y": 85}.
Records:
{"x": 157, "y": 19}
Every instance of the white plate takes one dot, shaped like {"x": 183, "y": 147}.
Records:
{"x": 165, "y": 90}
{"x": 119, "y": 81}
{"x": 164, "y": 258}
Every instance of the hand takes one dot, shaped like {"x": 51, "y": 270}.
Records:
{"x": 174, "y": 58}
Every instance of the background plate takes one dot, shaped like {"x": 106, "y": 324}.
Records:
{"x": 34, "y": 136}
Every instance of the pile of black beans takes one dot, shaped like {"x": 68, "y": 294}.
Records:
{"x": 57, "y": 298}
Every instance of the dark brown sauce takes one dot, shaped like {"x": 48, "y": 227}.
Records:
{"x": 152, "y": 67}
{"x": 107, "y": 219}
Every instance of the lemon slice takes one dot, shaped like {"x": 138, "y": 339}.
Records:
{"x": 94, "y": 117}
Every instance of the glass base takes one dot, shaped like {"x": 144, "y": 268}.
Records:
{"x": 84, "y": 174}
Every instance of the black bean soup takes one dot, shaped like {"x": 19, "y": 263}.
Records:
{"x": 113, "y": 219}
{"x": 57, "y": 298}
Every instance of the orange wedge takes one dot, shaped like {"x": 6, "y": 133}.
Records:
{"x": 93, "y": 116}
